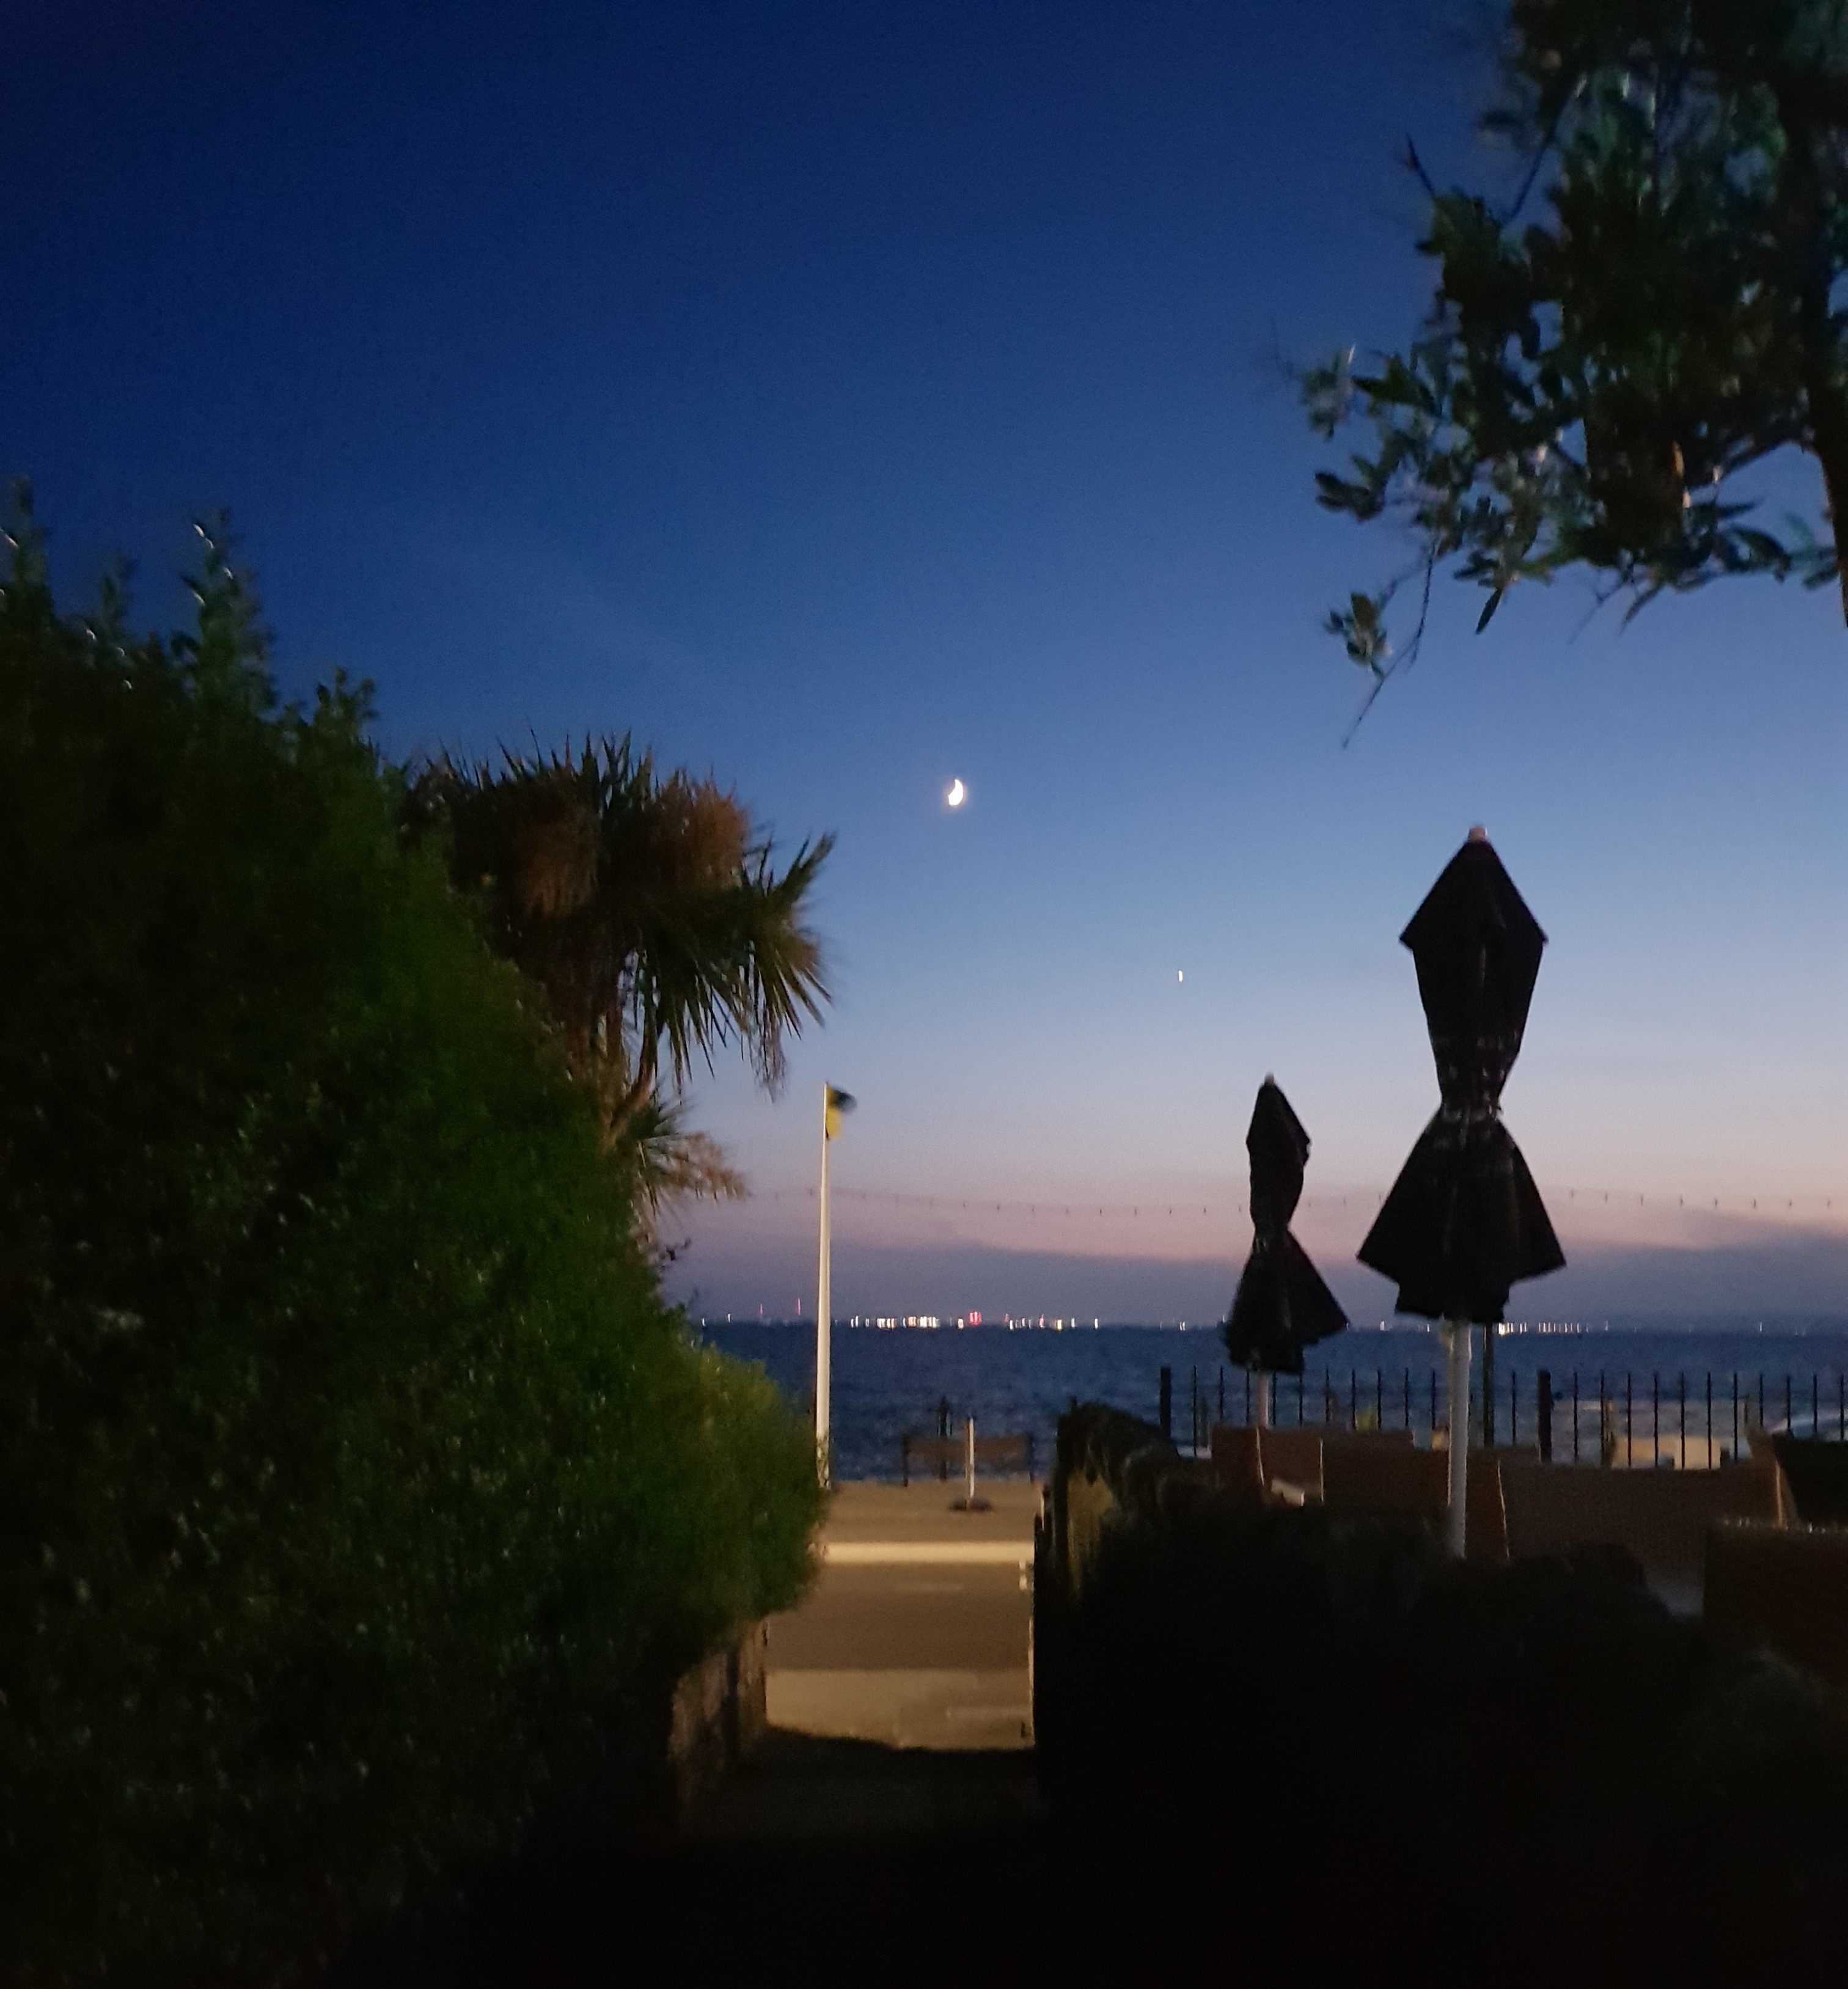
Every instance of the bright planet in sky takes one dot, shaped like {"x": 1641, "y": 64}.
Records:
{"x": 957, "y": 794}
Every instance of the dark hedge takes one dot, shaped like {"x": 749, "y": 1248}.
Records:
{"x": 354, "y": 1477}
{"x": 1291, "y": 1691}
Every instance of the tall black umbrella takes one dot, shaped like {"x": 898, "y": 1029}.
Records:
{"x": 1282, "y": 1305}
{"x": 1464, "y": 1221}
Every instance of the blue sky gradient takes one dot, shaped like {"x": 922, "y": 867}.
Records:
{"x": 848, "y": 398}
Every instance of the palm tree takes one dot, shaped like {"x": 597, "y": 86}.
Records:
{"x": 647, "y": 910}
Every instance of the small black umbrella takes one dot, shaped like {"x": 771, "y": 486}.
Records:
{"x": 1282, "y": 1305}
{"x": 1464, "y": 1221}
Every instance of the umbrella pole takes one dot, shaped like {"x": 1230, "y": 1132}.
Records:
{"x": 1260, "y": 1398}
{"x": 1488, "y": 1384}
{"x": 1458, "y": 1333}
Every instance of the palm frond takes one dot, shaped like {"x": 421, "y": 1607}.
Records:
{"x": 648, "y": 907}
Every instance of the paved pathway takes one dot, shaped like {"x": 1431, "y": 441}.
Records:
{"x": 917, "y": 1631}
{"x": 890, "y": 1818}
{"x": 889, "y": 1822}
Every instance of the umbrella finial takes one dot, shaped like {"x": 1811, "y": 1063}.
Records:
{"x": 1478, "y": 833}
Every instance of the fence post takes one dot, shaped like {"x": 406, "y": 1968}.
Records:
{"x": 1815, "y": 1414}
{"x": 1166, "y": 1411}
{"x": 1513, "y": 1405}
{"x": 1299, "y": 1399}
{"x": 1574, "y": 1415}
{"x": 1788, "y": 1430}
{"x": 1629, "y": 1423}
{"x": 1222, "y": 1394}
{"x": 1655, "y": 1420}
{"x": 1543, "y": 1413}
{"x": 1735, "y": 1415}
{"x": 1434, "y": 1405}
{"x": 1681, "y": 1385}
{"x": 1710, "y": 1419}
{"x": 1193, "y": 1409}
{"x": 1408, "y": 1398}
{"x": 1354, "y": 1398}
{"x": 1379, "y": 1397}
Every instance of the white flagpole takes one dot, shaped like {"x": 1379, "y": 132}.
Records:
{"x": 823, "y": 1316}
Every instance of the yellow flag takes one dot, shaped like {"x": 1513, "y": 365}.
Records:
{"x": 839, "y": 1105}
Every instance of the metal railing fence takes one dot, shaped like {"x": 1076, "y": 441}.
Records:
{"x": 1601, "y": 1419}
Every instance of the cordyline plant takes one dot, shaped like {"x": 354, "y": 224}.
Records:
{"x": 1590, "y": 383}
{"x": 648, "y": 910}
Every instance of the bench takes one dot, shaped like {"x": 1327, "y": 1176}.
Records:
{"x": 943, "y": 1456}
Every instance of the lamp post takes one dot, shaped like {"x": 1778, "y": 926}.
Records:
{"x": 834, "y": 1104}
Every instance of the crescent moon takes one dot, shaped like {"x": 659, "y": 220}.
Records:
{"x": 957, "y": 794}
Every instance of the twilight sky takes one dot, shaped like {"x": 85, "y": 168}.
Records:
{"x": 846, "y": 398}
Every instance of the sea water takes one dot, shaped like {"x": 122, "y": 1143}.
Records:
{"x": 888, "y": 1383}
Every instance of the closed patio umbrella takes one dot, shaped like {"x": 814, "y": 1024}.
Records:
{"x": 1282, "y": 1305}
{"x": 1464, "y": 1221}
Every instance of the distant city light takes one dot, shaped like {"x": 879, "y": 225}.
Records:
{"x": 929, "y": 1321}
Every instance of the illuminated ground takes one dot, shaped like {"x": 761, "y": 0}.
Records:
{"x": 917, "y": 1633}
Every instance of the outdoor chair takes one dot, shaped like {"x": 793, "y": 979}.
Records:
{"x": 1816, "y": 1473}
{"x": 1661, "y": 1517}
{"x": 1244, "y": 1455}
{"x": 1237, "y": 1463}
{"x": 1395, "y": 1480}
{"x": 1770, "y": 1451}
{"x": 1785, "y": 1588}
{"x": 1298, "y": 1456}
{"x": 1486, "y": 1535}
{"x": 1388, "y": 1478}
{"x": 1293, "y": 1457}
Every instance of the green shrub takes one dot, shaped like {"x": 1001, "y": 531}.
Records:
{"x": 353, "y": 1473}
